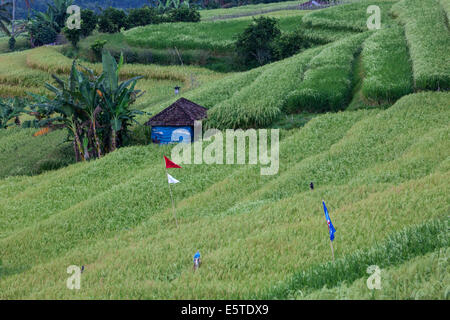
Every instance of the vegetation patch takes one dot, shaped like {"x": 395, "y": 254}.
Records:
{"x": 327, "y": 84}
{"x": 398, "y": 248}
{"x": 387, "y": 66}
{"x": 351, "y": 16}
{"x": 429, "y": 42}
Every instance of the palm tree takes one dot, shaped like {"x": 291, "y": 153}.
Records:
{"x": 5, "y": 17}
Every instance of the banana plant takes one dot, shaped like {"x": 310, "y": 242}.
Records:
{"x": 10, "y": 109}
{"x": 5, "y": 17}
{"x": 65, "y": 103}
{"x": 117, "y": 97}
{"x": 95, "y": 109}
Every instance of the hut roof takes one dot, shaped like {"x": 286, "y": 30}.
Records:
{"x": 181, "y": 113}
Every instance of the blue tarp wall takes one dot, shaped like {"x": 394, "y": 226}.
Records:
{"x": 166, "y": 135}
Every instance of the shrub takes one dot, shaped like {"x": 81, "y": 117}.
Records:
{"x": 184, "y": 14}
{"x": 142, "y": 16}
{"x": 97, "y": 48}
{"x": 112, "y": 20}
{"x": 73, "y": 35}
{"x": 291, "y": 43}
{"x": 88, "y": 22}
{"x": 42, "y": 33}
{"x": 12, "y": 43}
{"x": 257, "y": 44}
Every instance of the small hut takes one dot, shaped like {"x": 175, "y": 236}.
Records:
{"x": 176, "y": 121}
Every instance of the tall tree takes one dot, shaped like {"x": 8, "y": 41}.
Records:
{"x": 5, "y": 17}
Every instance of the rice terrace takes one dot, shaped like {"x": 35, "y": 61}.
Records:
{"x": 135, "y": 142}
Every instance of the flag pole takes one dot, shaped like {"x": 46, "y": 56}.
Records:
{"x": 332, "y": 249}
{"x": 171, "y": 196}
{"x": 331, "y": 242}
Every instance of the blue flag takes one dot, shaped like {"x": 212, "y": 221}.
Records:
{"x": 331, "y": 229}
{"x": 197, "y": 255}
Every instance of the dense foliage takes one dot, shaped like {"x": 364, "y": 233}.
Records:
{"x": 112, "y": 20}
{"x": 184, "y": 14}
{"x": 256, "y": 46}
{"x": 94, "y": 109}
{"x": 138, "y": 17}
{"x": 88, "y": 22}
{"x": 10, "y": 109}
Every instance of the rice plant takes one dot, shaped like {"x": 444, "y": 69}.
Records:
{"x": 113, "y": 216}
{"x": 351, "y": 16}
{"x": 426, "y": 30}
{"x": 218, "y": 36}
{"x": 396, "y": 249}
{"x": 326, "y": 85}
{"x": 386, "y": 66}
{"x": 422, "y": 278}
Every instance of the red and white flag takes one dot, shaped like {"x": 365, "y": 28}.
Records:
{"x": 170, "y": 163}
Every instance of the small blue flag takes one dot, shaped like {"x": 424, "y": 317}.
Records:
{"x": 331, "y": 228}
{"x": 197, "y": 255}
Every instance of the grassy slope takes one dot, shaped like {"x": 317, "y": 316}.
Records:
{"x": 379, "y": 171}
{"x": 351, "y": 16}
{"x": 428, "y": 37}
{"x": 217, "y": 36}
{"x": 425, "y": 278}
{"x": 21, "y": 154}
{"x": 387, "y": 66}
{"x": 252, "y": 9}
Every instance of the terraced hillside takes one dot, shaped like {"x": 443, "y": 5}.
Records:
{"x": 380, "y": 171}
{"x": 376, "y": 147}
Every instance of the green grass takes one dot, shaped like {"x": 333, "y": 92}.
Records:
{"x": 446, "y": 6}
{"x": 396, "y": 249}
{"x": 375, "y": 169}
{"x": 428, "y": 37}
{"x": 351, "y": 16}
{"x": 383, "y": 172}
{"x": 253, "y": 9}
{"x": 387, "y": 66}
{"x": 422, "y": 278}
{"x": 22, "y": 43}
{"x": 22, "y": 154}
{"x": 217, "y": 36}
{"x": 327, "y": 84}
{"x": 258, "y": 104}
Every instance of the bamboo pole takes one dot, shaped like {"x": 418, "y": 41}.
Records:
{"x": 171, "y": 196}
{"x": 332, "y": 249}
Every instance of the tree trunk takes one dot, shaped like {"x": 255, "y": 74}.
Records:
{"x": 77, "y": 153}
{"x": 97, "y": 142}
{"x": 78, "y": 141}
{"x": 113, "y": 140}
